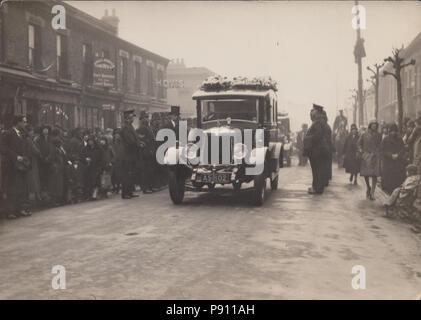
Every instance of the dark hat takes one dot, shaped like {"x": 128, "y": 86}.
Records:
{"x": 128, "y": 112}
{"x": 143, "y": 114}
{"x": 393, "y": 127}
{"x": 411, "y": 168}
{"x": 175, "y": 110}
{"x": 18, "y": 118}
{"x": 116, "y": 130}
{"x": 317, "y": 107}
{"x": 354, "y": 126}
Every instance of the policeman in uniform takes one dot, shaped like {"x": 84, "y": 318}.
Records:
{"x": 131, "y": 151}
{"x": 316, "y": 148}
{"x": 147, "y": 152}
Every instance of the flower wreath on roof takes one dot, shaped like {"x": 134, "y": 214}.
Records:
{"x": 217, "y": 83}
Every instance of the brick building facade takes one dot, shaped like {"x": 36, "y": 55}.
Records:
{"x": 82, "y": 76}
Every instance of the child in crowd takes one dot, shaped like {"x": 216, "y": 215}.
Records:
{"x": 401, "y": 201}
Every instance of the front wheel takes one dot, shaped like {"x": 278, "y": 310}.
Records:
{"x": 259, "y": 190}
{"x": 176, "y": 187}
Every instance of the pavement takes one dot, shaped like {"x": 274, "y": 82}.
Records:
{"x": 215, "y": 246}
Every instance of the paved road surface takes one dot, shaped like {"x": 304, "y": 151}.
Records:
{"x": 296, "y": 246}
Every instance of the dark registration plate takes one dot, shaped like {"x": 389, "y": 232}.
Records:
{"x": 214, "y": 178}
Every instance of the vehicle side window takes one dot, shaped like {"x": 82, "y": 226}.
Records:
{"x": 268, "y": 112}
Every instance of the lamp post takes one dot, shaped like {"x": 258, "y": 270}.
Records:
{"x": 398, "y": 65}
{"x": 359, "y": 53}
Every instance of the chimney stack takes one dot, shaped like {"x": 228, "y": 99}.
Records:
{"x": 112, "y": 20}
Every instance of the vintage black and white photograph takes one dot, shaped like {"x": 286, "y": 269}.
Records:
{"x": 210, "y": 150}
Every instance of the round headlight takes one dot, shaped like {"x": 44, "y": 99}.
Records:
{"x": 240, "y": 151}
{"x": 191, "y": 151}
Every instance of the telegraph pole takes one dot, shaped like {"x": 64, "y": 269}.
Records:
{"x": 375, "y": 78}
{"x": 359, "y": 53}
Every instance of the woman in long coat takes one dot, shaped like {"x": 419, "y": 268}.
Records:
{"x": 393, "y": 160}
{"x": 57, "y": 161}
{"x": 369, "y": 148}
{"x": 91, "y": 156}
{"x": 351, "y": 159}
{"x": 43, "y": 143}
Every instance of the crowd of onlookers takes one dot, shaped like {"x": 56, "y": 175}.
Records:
{"x": 61, "y": 166}
{"x": 390, "y": 157}
{"x": 381, "y": 153}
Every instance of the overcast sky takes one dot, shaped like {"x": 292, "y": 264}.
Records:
{"x": 306, "y": 46}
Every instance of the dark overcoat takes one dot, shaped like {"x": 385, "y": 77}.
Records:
{"x": 393, "y": 170}
{"x": 13, "y": 145}
{"x": 352, "y": 161}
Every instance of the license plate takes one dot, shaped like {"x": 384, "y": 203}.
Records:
{"x": 214, "y": 178}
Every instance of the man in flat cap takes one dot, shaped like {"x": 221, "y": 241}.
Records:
{"x": 131, "y": 150}
{"x": 316, "y": 148}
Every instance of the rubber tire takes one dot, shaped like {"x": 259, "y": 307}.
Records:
{"x": 176, "y": 187}
{"x": 259, "y": 191}
{"x": 274, "y": 183}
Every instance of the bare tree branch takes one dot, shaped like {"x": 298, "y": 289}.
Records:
{"x": 387, "y": 73}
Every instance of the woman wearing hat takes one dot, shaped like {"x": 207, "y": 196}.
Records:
{"x": 369, "y": 148}
{"x": 91, "y": 156}
{"x": 43, "y": 143}
{"x": 393, "y": 160}
{"x": 351, "y": 159}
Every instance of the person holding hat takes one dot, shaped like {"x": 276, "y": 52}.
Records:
{"x": 131, "y": 151}
{"x": 393, "y": 157}
{"x": 316, "y": 148}
{"x": 369, "y": 147}
{"x": 15, "y": 150}
{"x": 351, "y": 159}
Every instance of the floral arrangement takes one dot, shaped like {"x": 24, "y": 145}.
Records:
{"x": 218, "y": 83}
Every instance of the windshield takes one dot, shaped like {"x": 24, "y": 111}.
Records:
{"x": 236, "y": 109}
